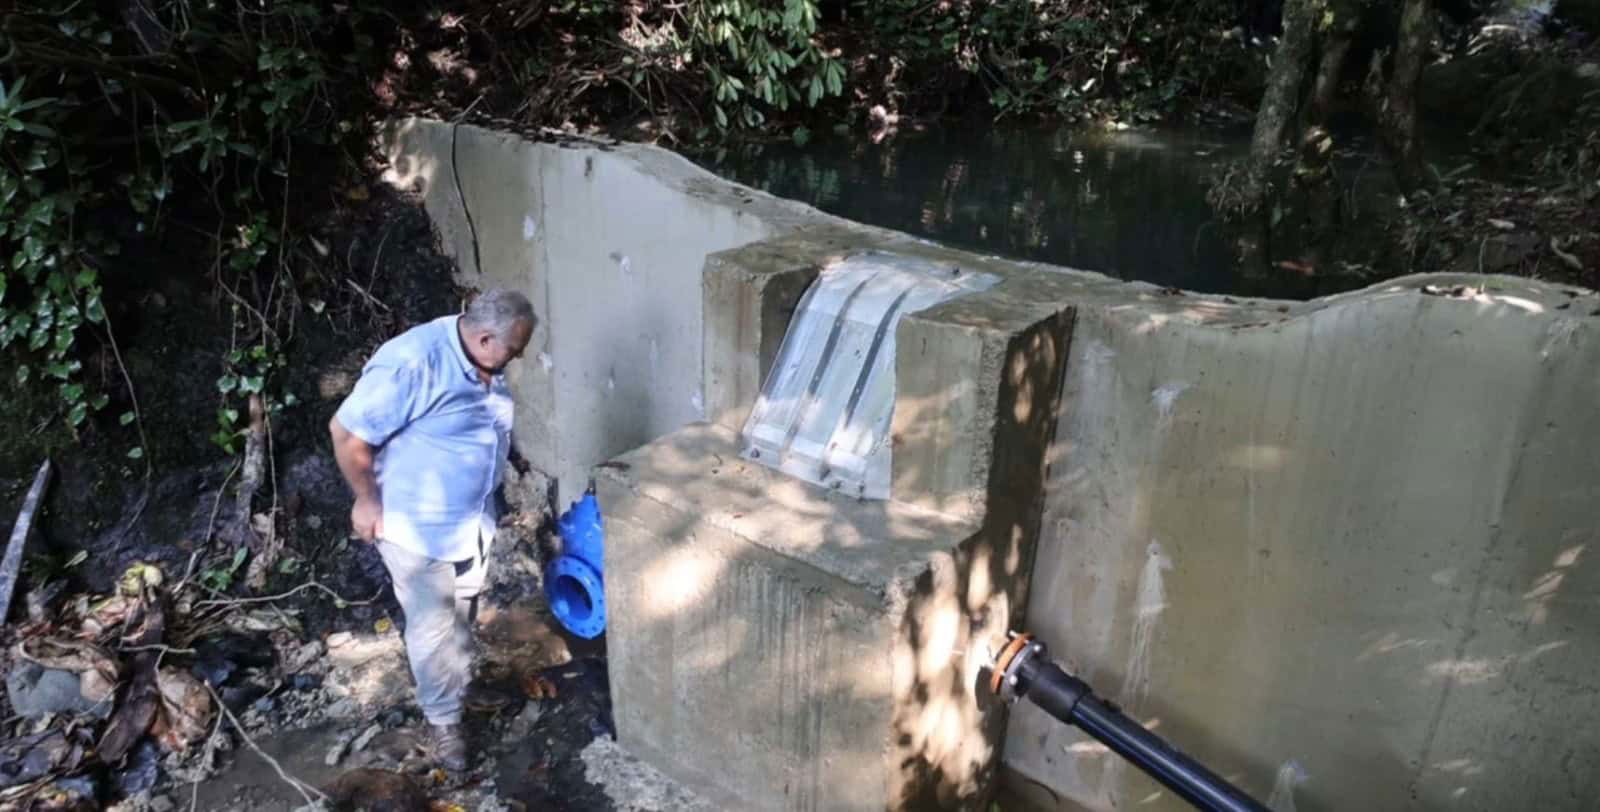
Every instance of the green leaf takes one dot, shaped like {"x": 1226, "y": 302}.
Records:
{"x": 78, "y": 413}
{"x": 251, "y": 384}
{"x": 100, "y": 401}
{"x": 84, "y": 279}
{"x": 73, "y": 392}
{"x": 93, "y": 310}
{"x": 135, "y": 453}
{"x": 23, "y": 373}
{"x": 801, "y": 136}
{"x": 238, "y": 559}
{"x": 227, "y": 383}
{"x": 126, "y": 418}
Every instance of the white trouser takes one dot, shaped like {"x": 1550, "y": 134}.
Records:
{"x": 439, "y": 599}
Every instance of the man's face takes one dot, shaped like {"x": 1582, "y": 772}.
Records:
{"x": 493, "y": 354}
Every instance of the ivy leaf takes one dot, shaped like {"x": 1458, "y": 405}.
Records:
{"x": 126, "y": 418}
{"x": 93, "y": 310}
{"x": 78, "y": 413}
{"x": 100, "y": 401}
{"x": 135, "y": 453}
{"x": 227, "y": 383}
{"x": 23, "y": 373}
{"x": 73, "y": 392}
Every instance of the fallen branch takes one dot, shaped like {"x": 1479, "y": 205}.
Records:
{"x": 11, "y": 567}
{"x": 291, "y": 593}
{"x": 306, "y": 790}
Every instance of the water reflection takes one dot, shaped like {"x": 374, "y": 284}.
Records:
{"x": 1131, "y": 205}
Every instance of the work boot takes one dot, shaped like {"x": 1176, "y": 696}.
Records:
{"x": 448, "y": 746}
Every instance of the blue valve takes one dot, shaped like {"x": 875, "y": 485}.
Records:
{"x": 573, "y": 583}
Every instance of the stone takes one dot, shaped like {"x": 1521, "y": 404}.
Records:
{"x": 522, "y": 726}
{"x": 162, "y": 803}
{"x": 343, "y": 709}
{"x": 36, "y": 691}
{"x": 305, "y": 656}
{"x": 366, "y": 737}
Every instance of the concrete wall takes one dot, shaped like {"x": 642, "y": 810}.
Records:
{"x": 1340, "y": 553}
{"x": 609, "y": 241}
{"x": 1336, "y": 549}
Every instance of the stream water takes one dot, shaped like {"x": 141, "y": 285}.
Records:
{"x": 1127, "y": 204}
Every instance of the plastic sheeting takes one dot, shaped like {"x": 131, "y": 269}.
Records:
{"x": 825, "y": 411}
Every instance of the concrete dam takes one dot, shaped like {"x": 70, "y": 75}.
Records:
{"x": 1335, "y": 549}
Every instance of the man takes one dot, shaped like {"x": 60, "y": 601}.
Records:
{"x": 423, "y": 441}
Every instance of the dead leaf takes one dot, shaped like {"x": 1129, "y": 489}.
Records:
{"x": 98, "y": 672}
{"x": 357, "y": 193}
{"x": 383, "y": 625}
{"x": 185, "y": 713}
{"x": 1503, "y": 225}
{"x": 106, "y": 614}
{"x": 445, "y": 806}
{"x": 263, "y": 620}
{"x": 537, "y": 687}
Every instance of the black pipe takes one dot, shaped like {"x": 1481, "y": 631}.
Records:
{"x": 1071, "y": 700}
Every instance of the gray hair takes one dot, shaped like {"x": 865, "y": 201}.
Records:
{"x": 498, "y": 310}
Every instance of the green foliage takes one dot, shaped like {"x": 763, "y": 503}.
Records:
{"x": 219, "y": 579}
{"x": 738, "y": 63}
{"x": 104, "y": 122}
{"x": 758, "y": 57}
{"x": 1065, "y": 58}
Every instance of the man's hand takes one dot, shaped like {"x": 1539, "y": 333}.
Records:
{"x": 355, "y": 461}
{"x": 367, "y": 519}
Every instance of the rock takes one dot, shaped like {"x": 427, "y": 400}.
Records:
{"x": 305, "y": 682}
{"x": 162, "y": 803}
{"x": 340, "y": 746}
{"x": 36, "y": 691}
{"x": 305, "y": 656}
{"x": 343, "y": 709}
{"x": 366, "y": 737}
{"x": 522, "y": 726}
{"x": 142, "y": 770}
{"x": 632, "y": 785}
{"x": 340, "y": 639}
{"x": 31, "y": 757}
{"x": 394, "y": 717}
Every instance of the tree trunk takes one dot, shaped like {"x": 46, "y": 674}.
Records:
{"x": 1281, "y": 98}
{"x": 1397, "y": 113}
{"x": 1336, "y": 39}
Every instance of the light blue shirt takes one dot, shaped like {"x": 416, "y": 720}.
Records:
{"x": 442, "y": 439}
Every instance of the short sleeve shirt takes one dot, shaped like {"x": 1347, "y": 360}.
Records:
{"x": 442, "y": 437}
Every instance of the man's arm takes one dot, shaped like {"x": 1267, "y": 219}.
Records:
{"x": 355, "y": 457}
